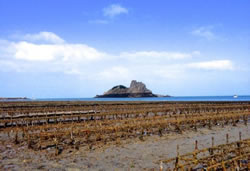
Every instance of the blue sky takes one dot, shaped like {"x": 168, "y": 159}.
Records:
{"x": 81, "y": 48}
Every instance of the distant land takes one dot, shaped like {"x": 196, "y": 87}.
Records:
{"x": 13, "y": 98}
{"x": 136, "y": 89}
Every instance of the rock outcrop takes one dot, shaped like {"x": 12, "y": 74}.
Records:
{"x": 136, "y": 89}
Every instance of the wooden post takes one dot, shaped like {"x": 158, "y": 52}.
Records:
{"x": 40, "y": 142}
{"x": 196, "y": 145}
{"x": 209, "y": 124}
{"x": 16, "y": 138}
{"x": 29, "y": 143}
{"x": 212, "y": 141}
{"x": 245, "y": 120}
{"x": 177, "y": 158}
{"x": 212, "y": 150}
{"x": 195, "y": 150}
{"x": 177, "y": 150}
{"x": 227, "y": 138}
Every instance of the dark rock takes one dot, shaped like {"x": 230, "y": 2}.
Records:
{"x": 119, "y": 90}
{"x": 136, "y": 89}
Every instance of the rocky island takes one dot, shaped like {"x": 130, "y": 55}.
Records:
{"x": 136, "y": 89}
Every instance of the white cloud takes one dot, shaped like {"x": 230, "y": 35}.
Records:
{"x": 115, "y": 73}
{"x": 204, "y": 32}
{"x": 48, "y": 52}
{"x": 44, "y": 36}
{"x": 89, "y": 63}
{"x": 159, "y": 54}
{"x": 5, "y": 49}
{"x": 114, "y": 10}
{"x": 213, "y": 65}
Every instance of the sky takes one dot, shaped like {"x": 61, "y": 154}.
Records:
{"x": 81, "y": 48}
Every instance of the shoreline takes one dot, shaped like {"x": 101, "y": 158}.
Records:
{"x": 133, "y": 99}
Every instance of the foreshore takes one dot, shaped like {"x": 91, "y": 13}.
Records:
{"x": 77, "y": 135}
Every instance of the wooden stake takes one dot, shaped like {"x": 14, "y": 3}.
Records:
{"x": 212, "y": 141}
{"x": 196, "y": 145}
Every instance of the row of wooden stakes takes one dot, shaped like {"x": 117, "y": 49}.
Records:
{"x": 228, "y": 156}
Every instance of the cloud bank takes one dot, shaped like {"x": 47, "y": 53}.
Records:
{"x": 48, "y": 52}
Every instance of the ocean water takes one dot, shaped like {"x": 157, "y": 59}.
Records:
{"x": 176, "y": 98}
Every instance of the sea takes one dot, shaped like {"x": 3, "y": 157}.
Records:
{"x": 175, "y": 98}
